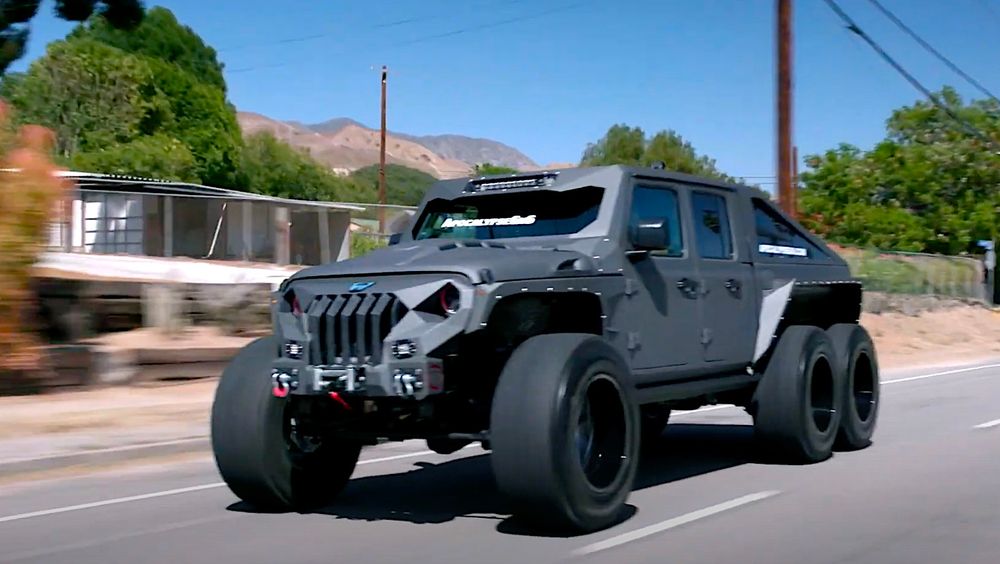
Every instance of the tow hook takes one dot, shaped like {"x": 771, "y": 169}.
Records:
{"x": 282, "y": 383}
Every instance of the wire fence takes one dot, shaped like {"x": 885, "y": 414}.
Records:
{"x": 919, "y": 274}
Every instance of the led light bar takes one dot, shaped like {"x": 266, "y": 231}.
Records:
{"x": 527, "y": 181}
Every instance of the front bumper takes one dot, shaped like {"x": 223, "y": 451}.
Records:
{"x": 378, "y": 341}
{"x": 412, "y": 379}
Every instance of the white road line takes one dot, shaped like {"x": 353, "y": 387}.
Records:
{"x": 153, "y": 495}
{"x": 936, "y": 374}
{"x": 700, "y": 410}
{"x": 125, "y": 448}
{"x": 988, "y": 424}
{"x": 673, "y": 523}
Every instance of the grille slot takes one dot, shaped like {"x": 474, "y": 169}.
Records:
{"x": 350, "y": 328}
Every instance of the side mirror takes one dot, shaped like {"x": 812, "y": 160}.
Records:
{"x": 395, "y": 238}
{"x": 652, "y": 234}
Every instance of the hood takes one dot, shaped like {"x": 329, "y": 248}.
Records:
{"x": 479, "y": 261}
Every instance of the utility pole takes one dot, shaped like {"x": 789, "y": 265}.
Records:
{"x": 381, "y": 159}
{"x": 794, "y": 192}
{"x": 786, "y": 198}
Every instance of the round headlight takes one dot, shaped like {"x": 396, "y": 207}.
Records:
{"x": 450, "y": 299}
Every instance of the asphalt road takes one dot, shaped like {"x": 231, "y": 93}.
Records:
{"x": 927, "y": 491}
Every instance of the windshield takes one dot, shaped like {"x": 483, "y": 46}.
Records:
{"x": 502, "y": 216}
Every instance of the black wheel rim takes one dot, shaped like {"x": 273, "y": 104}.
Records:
{"x": 601, "y": 432}
{"x": 821, "y": 395}
{"x": 863, "y": 388}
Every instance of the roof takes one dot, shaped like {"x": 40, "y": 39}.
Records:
{"x": 567, "y": 179}
{"x": 93, "y": 182}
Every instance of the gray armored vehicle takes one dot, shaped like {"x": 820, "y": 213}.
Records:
{"x": 556, "y": 318}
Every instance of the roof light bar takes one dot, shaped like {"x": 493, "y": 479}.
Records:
{"x": 509, "y": 183}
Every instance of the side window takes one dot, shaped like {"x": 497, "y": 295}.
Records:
{"x": 776, "y": 238}
{"x": 656, "y": 203}
{"x": 711, "y": 226}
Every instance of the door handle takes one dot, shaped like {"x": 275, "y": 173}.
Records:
{"x": 734, "y": 286}
{"x": 689, "y": 287}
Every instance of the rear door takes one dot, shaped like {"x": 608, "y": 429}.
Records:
{"x": 725, "y": 277}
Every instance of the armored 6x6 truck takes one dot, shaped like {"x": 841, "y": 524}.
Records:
{"x": 556, "y": 318}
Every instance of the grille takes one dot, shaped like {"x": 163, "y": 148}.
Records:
{"x": 350, "y": 328}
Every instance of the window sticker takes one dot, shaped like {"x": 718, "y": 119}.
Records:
{"x": 783, "y": 250}
{"x": 487, "y": 221}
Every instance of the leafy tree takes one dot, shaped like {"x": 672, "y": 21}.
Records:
{"x": 274, "y": 168}
{"x": 490, "y": 169}
{"x": 620, "y": 145}
{"x": 930, "y": 186}
{"x": 102, "y": 89}
{"x": 627, "y": 145}
{"x": 160, "y": 36}
{"x": 188, "y": 75}
{"x": 404, "y": 186}
{"x": 29, "y": 201}
{"x": 152, "y": 156}
{"x": 16, "y": 14}
{"x": 89, "y": 94}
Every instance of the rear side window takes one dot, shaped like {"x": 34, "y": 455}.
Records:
{"x": 776, "y": 238}
{"x": 655, "y": 203}
{"x": 711, "y": 226}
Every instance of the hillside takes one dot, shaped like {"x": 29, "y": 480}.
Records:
{"x": 346, "y": 145}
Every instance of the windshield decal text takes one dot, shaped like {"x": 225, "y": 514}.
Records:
{"x": 488, "y": 221}
{"x": 783, "y": 250}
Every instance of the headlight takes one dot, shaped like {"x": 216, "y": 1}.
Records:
{"x": 450, "y": 299}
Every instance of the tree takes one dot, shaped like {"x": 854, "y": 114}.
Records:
{"x": 490, "y": 169}
{"x": 89, "y": 94}
{"x": 274, "y": 168}
{"x": 152, "y": 156}
{"x": 29, "y": 201}
{"x": 15, "y": 15}
{"x": 404, "y": 186}
{"x": 101, "y": 90}
{"x": 188, "y": 75}
{"x": 627, "y": 145}
{"x": 160, "y": 36}
{"x": 620, "y": 145}
{"x": 930, "y": 185}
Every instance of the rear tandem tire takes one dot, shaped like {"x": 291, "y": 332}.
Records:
{"x": 565, "y": 433}
{"x": 798, "y": 400}
{"x": 859, "y": 407}
{"x": 251, "y": 446}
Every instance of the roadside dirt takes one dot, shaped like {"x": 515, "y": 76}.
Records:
{"x": 941, "y": 337}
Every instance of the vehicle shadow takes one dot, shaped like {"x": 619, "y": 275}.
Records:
{"x": 464, "y": 488}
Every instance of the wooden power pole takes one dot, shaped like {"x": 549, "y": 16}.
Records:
{"x": 381, "y": 159}
{"x": 786, "y": 197}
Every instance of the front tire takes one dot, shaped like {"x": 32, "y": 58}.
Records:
{"x": 565, "y": 432}
{"x": 860, "y": 405}
{"x": 252, "y": 447}
{"x": 797, "y": 402}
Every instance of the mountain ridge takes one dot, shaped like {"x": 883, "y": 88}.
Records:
{"x": 345, "y": 145}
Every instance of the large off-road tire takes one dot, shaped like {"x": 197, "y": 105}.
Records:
{"x": 860, "y": 404}
{"x": 252, "y": 446}
{"x": 796, "y": 411}
{"x": 564, "y": 431}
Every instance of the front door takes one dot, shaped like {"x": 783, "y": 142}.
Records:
{"x": 661, "y": 304}
{"x": 728, "y": 317}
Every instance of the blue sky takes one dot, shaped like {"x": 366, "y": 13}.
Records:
{"x": 561, "y": 72}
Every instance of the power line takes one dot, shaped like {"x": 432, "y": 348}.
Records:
{"x": 442, "y": 35}
{"x": 854, "y": 28}
{"x": 384, "y": 25}
{"x": 951, "y": 65}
